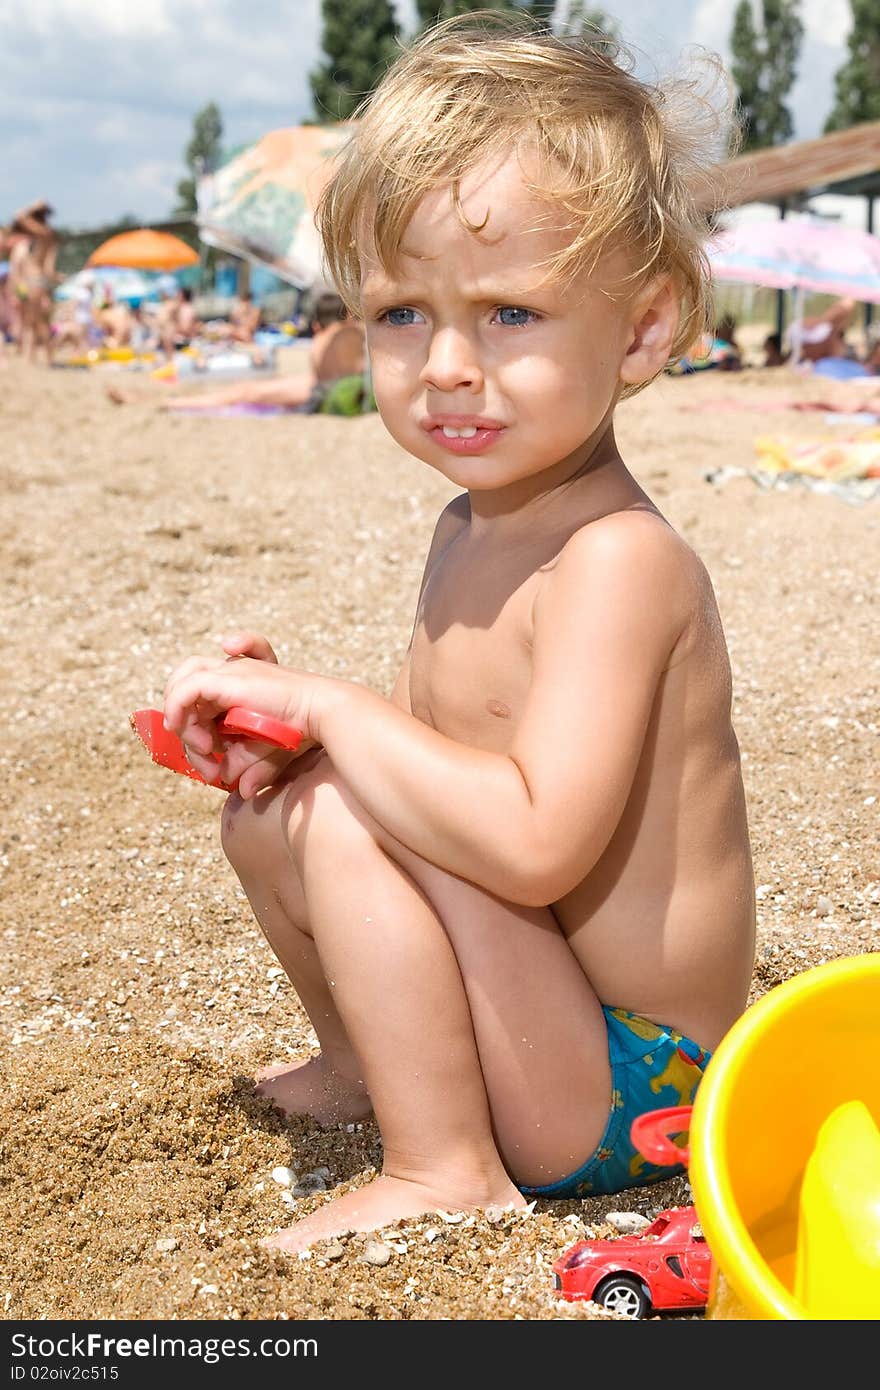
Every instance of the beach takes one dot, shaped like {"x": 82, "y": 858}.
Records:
{"x": 139, "y": 997}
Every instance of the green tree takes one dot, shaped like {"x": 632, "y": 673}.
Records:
{"x": 764, "y": 67}
{"x": 432, "y": 11}
{"x": 201, "y": 154}
{"x": 584, "y": 19}
{"x": 857, "y": 82}
{"x": 359, "y": 39}
{"x": 745, "y": 70}
{"x": 581, "y": 18}
{"x": 539, "y": 9}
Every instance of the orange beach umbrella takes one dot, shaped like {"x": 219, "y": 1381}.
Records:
{"x": 144, "y": 249}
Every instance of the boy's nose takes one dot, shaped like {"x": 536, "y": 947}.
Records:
{"x": 452, "y": 362}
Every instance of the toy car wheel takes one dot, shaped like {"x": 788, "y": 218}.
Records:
{"x": 623, "y": 1294}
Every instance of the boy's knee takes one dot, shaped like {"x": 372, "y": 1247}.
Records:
{"x": 315, "y": 814}
{"x": 320, "y": 813}
{"x": 245, "y": 833}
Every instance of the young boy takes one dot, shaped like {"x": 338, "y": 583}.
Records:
{"x": 515, "y": 897}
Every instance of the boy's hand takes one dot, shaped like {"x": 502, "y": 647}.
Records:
{"x": 248, "y": 644}
{"x": 203, "y": 688}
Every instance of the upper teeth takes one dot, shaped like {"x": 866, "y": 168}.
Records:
{"x": 466, "y": 432}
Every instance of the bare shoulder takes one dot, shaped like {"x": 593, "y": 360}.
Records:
{"x": 637, "y": 541}
{"x": 634, "y": 562}
{"x": 456, "y": 513}
{"x": 451, "y": 521}
{"x": 454, "y": 517}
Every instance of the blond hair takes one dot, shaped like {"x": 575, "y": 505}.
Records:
{"x": 620, "y": 158}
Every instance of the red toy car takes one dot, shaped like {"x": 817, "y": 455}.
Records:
{"x": 665, "y": 1268}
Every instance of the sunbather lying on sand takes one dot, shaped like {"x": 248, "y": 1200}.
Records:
{"x": 337, "y": 351}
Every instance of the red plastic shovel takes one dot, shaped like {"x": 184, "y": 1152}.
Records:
{"x": 166, "y": 749}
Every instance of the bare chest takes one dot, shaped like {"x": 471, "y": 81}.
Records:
{"x": 470, "y": 664}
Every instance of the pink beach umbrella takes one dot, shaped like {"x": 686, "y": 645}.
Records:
{"x": 799, "y": 253}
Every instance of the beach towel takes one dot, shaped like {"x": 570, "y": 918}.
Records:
{"x": 837, "y": 459}
{"x": 847, "y": 468}
{"x": 840, "y": 368}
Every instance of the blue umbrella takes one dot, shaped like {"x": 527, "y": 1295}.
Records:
{"x": 132, "y": 286}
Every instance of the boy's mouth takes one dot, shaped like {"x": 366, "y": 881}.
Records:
{"x": 461, "y": 434}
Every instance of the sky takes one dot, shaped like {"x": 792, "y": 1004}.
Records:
{"x": 97, "y": 96}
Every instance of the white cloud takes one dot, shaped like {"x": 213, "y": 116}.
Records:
{"x": 108, "y": 18}
{"x": 153, "y": 176}
{"x": 92, "y": 91}
{"x": 712, "y": 22}
{"x": 828, "y": 21}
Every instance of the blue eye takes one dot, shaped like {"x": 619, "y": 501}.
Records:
{"x": 401, "y": 318}
{"x": 512, "y": 317}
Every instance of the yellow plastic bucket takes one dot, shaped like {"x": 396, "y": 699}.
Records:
{"x": 776, "y": 1105}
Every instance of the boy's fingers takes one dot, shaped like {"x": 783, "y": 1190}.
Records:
{"x": 193, "y": 696}
{"x": 263, "y": 773}
{"x": 249, "y": 644}
{"x": 186, "y": 670}
{"x": 206, "y": 765}
{"x": 202, "y": 738}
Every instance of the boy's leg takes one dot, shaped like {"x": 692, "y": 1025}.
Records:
{"x": 539, "y": 1027}
{"x": 388, "y": 937}
{"x": 286, "y": 392}
{"x": 330, "y": 1086}
{"x": 390, "y": 968}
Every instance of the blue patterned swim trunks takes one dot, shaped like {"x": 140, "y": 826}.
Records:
{"x": 651, "y": 1068}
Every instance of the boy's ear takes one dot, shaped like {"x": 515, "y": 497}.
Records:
{"x": 654, "y": 323}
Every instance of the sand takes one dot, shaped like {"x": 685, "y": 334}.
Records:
{"x": 137, "y": 994}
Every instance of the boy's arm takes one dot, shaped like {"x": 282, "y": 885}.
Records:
{"x": 530, "y": 824}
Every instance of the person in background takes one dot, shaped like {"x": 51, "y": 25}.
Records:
{"x": 773, "y": 354}
{"x": 7, "y": 300}
{"x": 725, "y": 352}
{"x": 872, "y": 353}
{"x": 186, "y": 320}
{"x": 144, "y": 337}
{"x": 177, "y": 321}
{"x": 245, "y": 319}
{"x": 713, "y": 350}
{"x": 337, "y": 352}
{"x": 166, "y": 317}
{"x": 822, "y": 335}
{"x": 115, "y": 320}
{"x": 75, "y": 326}
{"x": 33, "y": 277}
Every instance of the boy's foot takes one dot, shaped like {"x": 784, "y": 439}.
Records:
{"x": 381, "y": 1202}
{"x": 311, "y": 1088}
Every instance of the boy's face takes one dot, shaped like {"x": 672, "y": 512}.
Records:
{"x": 482, "y": 367}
